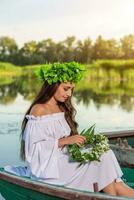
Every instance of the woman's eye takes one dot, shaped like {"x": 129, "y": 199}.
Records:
{"x": 66, "y": 89}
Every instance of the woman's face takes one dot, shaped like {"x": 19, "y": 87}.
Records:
{"x": 64, "y": 91}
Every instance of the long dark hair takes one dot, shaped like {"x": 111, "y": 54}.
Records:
{"x": 44, "y": 95}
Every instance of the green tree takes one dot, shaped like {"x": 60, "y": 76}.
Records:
{"x": 69, "y": 44}
{"x": 8, "y": 48}
{"x": 106, "y": 49}
{"x": 113, "y": 50}
{"x": 83, "y": 51}
{"x": 28, "y": 53}
{"x": 127, "y": 45}
{"x": 46, "y": 49}
{"x": 60, "y": 49}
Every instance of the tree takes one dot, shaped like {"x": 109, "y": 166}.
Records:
{"x": 113, "y": 50}
{"x": 8, "y": 48}
{"x": 106, "y": 49}
{"x": 46, "y": 49}
{"x": 69, "y": 44}
{"x": 83, "y": 51}
{"x": 28, "y": 53}
{"x": 127, "y": 45}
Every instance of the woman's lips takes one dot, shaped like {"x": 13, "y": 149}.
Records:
{"x": 65, "y": 98}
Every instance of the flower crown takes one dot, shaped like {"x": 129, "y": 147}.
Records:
{"x": 61, "y": 72}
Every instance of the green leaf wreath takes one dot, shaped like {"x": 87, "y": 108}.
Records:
{"x": 92, "y": 149}
{"x": 61, "y": 72}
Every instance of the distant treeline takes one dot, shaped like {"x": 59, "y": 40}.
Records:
{"x": 70, "y": 49}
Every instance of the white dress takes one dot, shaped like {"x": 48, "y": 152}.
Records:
{"x": 50, "y": 164}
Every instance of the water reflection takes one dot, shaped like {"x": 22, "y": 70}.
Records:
{"x": 101, "y": 92}
{"x": 106, "y": 93}
{"x": 108, "y": 104}
{"x": 22, "y": 85}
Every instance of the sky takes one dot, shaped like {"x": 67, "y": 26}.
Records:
{"x": 26, "y": 20}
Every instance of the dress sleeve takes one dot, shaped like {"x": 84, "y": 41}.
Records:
{"x": 41, "y": 150}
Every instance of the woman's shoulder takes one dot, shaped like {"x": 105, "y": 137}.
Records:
{"x": 38, "y": 110}
{"x": 42, "y": 111}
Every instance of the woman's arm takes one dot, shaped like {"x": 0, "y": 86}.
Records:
{"x": 74, "y": 139}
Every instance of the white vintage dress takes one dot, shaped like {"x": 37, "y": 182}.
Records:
{"x": 50, "y": 164}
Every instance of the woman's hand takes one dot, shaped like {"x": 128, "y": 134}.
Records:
{"x": 74, "y": 139}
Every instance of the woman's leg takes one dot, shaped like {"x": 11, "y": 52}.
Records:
{"x": 119, "y": 189}
{"x": 123, "y": 190}
{"x": 110, "y": 189}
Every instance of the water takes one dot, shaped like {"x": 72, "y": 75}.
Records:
{"x": 110, "y": 108}
{"x": 109, "y": 105}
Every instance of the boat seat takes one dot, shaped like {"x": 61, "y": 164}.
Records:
{"x": 128, "y": 176}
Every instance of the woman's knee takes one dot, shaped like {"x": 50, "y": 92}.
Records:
{"x": 110, "y": 189}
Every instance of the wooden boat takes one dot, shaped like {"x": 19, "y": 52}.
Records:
{"x": 120, "y": 134}
{"x": 122, "y": 143}
{"x": 13, "y": 187}
{"x": 19, "y": 188}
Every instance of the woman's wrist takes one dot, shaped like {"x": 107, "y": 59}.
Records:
{"x": 62, "y": 142}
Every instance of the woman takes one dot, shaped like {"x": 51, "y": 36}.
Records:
{"x": 49, "y": 126}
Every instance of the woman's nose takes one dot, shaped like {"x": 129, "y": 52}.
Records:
{"x": 69, "y": 93}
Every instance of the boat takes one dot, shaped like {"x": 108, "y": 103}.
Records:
{"x": 122, "y": 143}
{"x": 115, "y": 135}
{"x": 14, "y": 187}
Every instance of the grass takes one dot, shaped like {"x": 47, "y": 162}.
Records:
{"x": 102, "y": 69}
{"x": 113, "y": 64}
{"x": 8, "y": 69}
{"x": 6, "y": 80}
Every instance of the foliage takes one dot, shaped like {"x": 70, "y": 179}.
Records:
{"x": 127, "y": 44}
{"x": 7, "y": 66}
{"x": 113, "y": 64}
{"x": 8, "y": 49}
{"x": 7, "y": 69}
{"x": 60, "y": 72}
{"x": 70, "y": 49}
{"x": 95, "y": 146}
{"x": 99, "y": 91}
